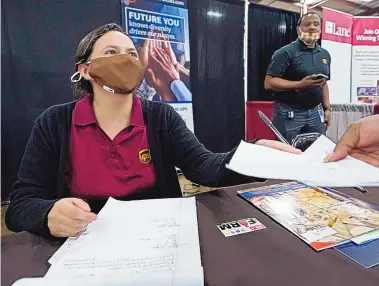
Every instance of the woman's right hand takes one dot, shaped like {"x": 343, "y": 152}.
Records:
{"x": 68, "y": 217}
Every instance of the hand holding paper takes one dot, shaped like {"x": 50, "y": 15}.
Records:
{"x": 309, "y": 167}
{"x": 361, "y": 141}
{"x": 278, "y": 146}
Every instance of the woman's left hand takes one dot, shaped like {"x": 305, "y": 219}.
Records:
{"x": 278, "y": 145}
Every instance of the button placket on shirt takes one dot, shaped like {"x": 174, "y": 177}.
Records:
{"x": 113, "y": 151}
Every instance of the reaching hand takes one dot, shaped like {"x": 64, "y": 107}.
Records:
{"x": 166, "y": 46}
{"x": 144, "y": 54}
{"x": 360, "y": 140}
{"x": 69, "y": 217}
{"x": 278, "y": 145}
{"x": 161, "y": 73}
{"x": 183, "y": 72}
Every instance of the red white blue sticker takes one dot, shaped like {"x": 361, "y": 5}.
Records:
{"x": 241, "y": 226}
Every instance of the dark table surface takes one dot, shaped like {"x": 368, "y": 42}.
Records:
{"x": 272, "y": 256}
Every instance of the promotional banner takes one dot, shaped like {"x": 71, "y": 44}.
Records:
{"x": 159, "y": 29}
{"x": 336, "y": 39}
{"x": 365, "y": 60}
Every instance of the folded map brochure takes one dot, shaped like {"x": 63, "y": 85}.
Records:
{"x": 322, "y": 217}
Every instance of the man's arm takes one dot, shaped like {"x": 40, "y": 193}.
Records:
{"x": 326, "y": 105}
{"x": 279, "y": 84}
{"x": 274, "y": 78}
{"x": 325, "y": 88}
{"x": 325, "y": 96}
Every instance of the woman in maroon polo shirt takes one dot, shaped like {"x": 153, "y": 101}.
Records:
{"x": 108, "y": 144}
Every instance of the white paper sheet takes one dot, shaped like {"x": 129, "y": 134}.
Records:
{"x": 152, "y": 237}
{"x": 189, "y": 277}
{"x": 323, "y": 146}
{"x": 263, "y": 162}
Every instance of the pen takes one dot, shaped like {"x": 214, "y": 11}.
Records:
{"x": 272, "y": 127}
{"x": 361, "y": 189}
{"x": 283, "y": 140}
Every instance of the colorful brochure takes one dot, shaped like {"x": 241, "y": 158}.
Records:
{"x": 321, "y": 217}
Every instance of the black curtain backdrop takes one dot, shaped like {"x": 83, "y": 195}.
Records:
{"x": 217, "y": 72}
{"x": 38, "y": 43}
{"x": 269, "y": 29}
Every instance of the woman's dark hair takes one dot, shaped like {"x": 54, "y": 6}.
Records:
{"x": 83, "y": 52}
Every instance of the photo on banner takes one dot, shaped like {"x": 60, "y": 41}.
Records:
{"x": 159, "y": 30}
{"x": 365, "y": 60}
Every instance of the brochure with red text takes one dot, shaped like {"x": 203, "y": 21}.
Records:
{"x": 322, "y": 217}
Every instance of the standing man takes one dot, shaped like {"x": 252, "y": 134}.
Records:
{"x": 301, "y": 97}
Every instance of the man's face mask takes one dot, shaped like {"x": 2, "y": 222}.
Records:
{"x": 119, "y": 74}
{"x": 309, "y": 38}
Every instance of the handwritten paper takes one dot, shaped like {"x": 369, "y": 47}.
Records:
{"x": 309, "y": 168}
{"x": 133, "y": 238}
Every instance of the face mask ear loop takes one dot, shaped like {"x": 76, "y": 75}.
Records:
{"x": 75, "y": 77}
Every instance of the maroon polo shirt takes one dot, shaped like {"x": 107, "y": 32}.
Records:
{"x": 100, "y": 167}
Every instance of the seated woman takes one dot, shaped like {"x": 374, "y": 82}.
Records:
{"x": 108, "y": 144}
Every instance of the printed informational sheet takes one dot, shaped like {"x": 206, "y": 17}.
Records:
{"x": 241, "y": 226}
{"x": 365, "y": 60}
{"x": 321, "y": 217}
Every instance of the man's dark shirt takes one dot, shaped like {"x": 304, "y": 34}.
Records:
{"x": 294, "y": 62}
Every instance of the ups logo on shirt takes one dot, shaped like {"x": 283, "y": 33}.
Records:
{"x": 325, "y": 61}
{"x": 144, "y": 156}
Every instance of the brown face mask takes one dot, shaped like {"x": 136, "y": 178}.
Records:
{"x": 117, "y": 74}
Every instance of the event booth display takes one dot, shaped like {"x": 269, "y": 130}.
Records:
{"x": 353, "y": 43}
{"x": 342, "y": 116}
{"x": 225, "y": 46}
{"x": 279, "y": 222}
